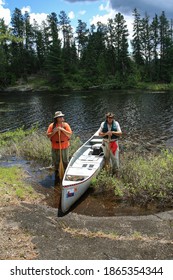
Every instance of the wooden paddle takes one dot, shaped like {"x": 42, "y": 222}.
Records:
{"x": 61, "y": 175}
{"x": 107, "y": 162}
{"x": 61, "y": 166}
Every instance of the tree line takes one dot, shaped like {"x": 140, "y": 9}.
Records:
{"x": 86, "y": 56}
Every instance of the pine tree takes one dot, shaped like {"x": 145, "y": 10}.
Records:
{"x": 154, "y": 67}
{"x": 17, "y": 60}
{"x": 53, "y": 62}
{"x": 136, "y": 41}
{"x": 146, "y": 47}
{"x": 121, "y": 44}
{"x": 166, "y": 49}
{"x": 82, "y": 37}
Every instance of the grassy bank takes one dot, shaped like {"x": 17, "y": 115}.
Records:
{"x": 144, "y": 179}
{"x": 155, "y": 87}
{"x": 39, "y": 82}
{"x": 31, "y": 144}
{"x": 14, "y": 188}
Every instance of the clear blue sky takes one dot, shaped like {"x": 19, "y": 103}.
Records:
{"x": 89, "y": 11}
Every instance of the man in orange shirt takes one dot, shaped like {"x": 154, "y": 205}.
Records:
{"x": 59, "y": 132}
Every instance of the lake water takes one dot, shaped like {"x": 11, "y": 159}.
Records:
{"x": 143, "y": 116}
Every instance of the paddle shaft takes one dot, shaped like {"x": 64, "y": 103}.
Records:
{"x": 107, "y": 152}
{"x": 61, "y": 165}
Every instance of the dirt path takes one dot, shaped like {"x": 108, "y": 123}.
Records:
{"x": 36, "y": 231}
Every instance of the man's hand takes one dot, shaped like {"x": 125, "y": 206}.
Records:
{"x": 109, "y": 133}
{"x": 56, "y": 129}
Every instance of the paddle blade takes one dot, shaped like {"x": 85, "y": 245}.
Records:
{"x": 61, "y": 170}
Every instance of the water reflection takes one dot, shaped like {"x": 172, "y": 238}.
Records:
{"x": 145, "y": 116}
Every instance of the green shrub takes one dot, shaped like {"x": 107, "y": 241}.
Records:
{"x": 143, "y": 179}
{"x": 10, "y": 137}
{"x": 105, "y": 183}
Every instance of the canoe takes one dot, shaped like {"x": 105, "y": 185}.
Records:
{"x": 84, "y": 165}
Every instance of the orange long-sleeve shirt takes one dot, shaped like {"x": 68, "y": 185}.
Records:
{"x": 65, "y": 143}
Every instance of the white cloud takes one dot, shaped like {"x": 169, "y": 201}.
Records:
{"x": 103, "y": 19}
{"x": 5, "y": 13}
{"x": 71, "y": 15}
{"x": 129, "y": 21}
{"x": 38, "y": 17}
{"x": 106, "y": 7}
{"x": 82, "y": 12}
{"x": 26, "y": 9}
{"x": 110, "y": 14}
{"x": 101, "y": 7}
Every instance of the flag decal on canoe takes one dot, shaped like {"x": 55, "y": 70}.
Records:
{"x": 71, "y": 192}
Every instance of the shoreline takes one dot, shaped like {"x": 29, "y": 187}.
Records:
{"x": 31, "y": 87}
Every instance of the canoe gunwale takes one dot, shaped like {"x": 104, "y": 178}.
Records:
{"x": 72, "y": 190}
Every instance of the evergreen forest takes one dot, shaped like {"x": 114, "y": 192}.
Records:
{"x": 87, "y": 56}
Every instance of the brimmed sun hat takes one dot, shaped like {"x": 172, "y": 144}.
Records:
{"x": 58, "y": 114}
{"x": 110, "y": 115}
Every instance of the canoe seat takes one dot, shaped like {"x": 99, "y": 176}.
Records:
{"x": 89, "y": 158}
{"x": 97, "y": 145}
{"x": 97, "y": 140}
{"x": 80, "y": 171}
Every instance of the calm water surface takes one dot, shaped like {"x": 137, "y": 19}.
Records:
{"x": 144, "y": 116}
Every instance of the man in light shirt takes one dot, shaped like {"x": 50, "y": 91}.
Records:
{"x": 110, "y": 131}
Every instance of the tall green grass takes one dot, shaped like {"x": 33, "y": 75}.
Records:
{"x": 143, "y": 179}
{"x": 31, "y": 144}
